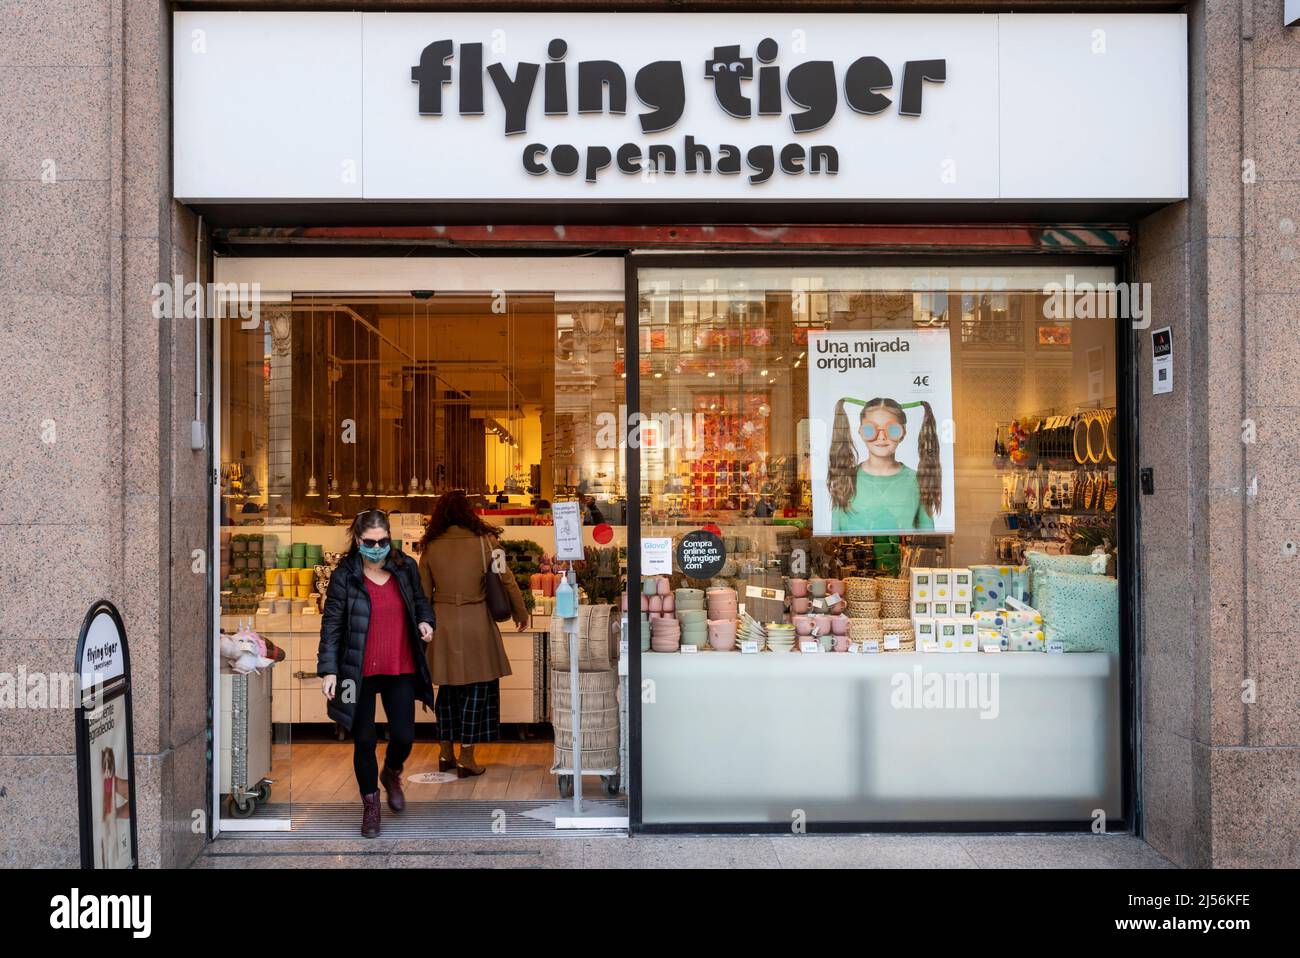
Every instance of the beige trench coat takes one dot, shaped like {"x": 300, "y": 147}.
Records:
{"x": 466, "y": 644}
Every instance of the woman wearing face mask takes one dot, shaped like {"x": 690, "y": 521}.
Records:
{"x": 375, "y": 617}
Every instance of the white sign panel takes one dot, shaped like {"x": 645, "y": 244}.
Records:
{"x": 102, "y": 658}
{"x": 679, "y": 106}
{"x": 568, "y": 530}
{"x": 1162, "y": 361}
{"x": 880, "y": 437}
{"x": 657, "y": 556}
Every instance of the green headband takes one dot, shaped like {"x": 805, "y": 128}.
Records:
{"x": 863, "y": 402}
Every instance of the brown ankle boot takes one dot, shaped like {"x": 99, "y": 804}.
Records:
{"x": 391, "y": 779}
{"x": 370, "y": 816}
{"x": 465, "y": 764}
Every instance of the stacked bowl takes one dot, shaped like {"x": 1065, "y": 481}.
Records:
{"x": 665, "y": 635}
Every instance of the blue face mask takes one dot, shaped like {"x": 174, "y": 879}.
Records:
{"x": 374, "y": 553}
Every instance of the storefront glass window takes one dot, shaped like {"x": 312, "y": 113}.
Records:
{"x": 910, "y": 480}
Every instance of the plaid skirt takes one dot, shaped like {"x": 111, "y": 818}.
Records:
{"x": 469, "y": 714}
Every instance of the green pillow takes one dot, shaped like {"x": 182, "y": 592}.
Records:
{"x": 1040, "y": 561}
{"x": 1079, "y": 611}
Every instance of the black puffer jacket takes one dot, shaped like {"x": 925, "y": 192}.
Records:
{"x": 346, "y": 620}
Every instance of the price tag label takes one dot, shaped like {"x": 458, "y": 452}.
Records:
{"x": 688, "y": 649}
{"x": 740, "y": 609}
{"x": 871, "y": 647}
{"x": 749, "y": 646}
{"x": 1056, "y": 646}
{"x": 810, "y": 646}
{"x": 891, "y": 642}
{"x": 855, "y": 648}
{"x": 930, "y": 647}
{"x": 992, "y": 647}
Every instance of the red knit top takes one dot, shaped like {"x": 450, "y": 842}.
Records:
{"x": 388, "y": 641}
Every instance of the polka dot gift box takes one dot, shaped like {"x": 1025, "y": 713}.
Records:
{"x": 991, "y": 584}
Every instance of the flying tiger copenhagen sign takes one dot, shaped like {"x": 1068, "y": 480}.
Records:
{"x": 679, "y": 106}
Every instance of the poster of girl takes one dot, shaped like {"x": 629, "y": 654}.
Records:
{"x": 881, "y": 455}
{"x": 879, "y": 492}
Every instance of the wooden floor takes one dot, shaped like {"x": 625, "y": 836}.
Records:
{"x": 322, "y": 772}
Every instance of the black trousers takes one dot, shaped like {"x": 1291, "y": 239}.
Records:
{"x": 398, "y": 693}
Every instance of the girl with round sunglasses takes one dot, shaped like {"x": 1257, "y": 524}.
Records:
{"x": 879, "y": 493}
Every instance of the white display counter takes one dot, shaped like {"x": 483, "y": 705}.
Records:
{"x": 731, "y": 738}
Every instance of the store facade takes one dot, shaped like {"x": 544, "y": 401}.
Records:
{"x": 847, "y": 292}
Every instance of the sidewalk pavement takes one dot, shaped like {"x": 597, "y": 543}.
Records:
{"x": 702, "y": 851}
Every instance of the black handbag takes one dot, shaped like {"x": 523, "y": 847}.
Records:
{"x": 494, "y": 593}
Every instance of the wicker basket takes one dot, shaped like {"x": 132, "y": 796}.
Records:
{"x": 597, "y": 646}
{"x": 862, "y": 630}
{"x": 591, "y": 758}
{"x": 864, "y": 610}
{"x": 592, "y": 701}
{"x": 600, "y": 734}
{"x": 895, "y": 608}
{"x": 861, "y": 589}
{"x": 895, "y": 589}
{"x": 896, "y": 624}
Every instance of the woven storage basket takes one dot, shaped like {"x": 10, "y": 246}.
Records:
{"x": 860, "y": 630}
{"x": 864, "y": 610}
{"x": 895, "y": 608}
{"x": 591, "y": 758}
{"x": 896, "y": 624}
{"x": 600, "y": 734}
{"x": 895, "y": 589}
{"x": 597, "y": 648}
{"x": 861, "y": 589}
{"x": 599, "y": 691}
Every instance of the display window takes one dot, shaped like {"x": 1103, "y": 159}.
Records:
{"x": 880, "y": 522}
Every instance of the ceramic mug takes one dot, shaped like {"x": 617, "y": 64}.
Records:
{"x": 803, "y": 624}
{"x": 817, "y": 588}
{"x": 835, "y": 586}
{"x": 841, "y": 642}
{"x": 823, "y": 624}
{"x": 800, "y": 606}
{"x": 649, "y": 586}
{"x": 839, "y": 625}
{"x": 663, "y": 585}
{"x": 656, "y": 603}
{"x": 798, "y": 588}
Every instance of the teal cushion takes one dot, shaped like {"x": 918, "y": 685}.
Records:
{"x": 1079, "y": 611}
{"x": 1079, "y": 565}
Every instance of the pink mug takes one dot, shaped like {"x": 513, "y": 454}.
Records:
{"x": 823, "y": 624}
{"x": 645, "y": 603}
{"x": 803, "y": 624}
{"x": 670, "y": 602}
{"x": 798, "y": 588}
{"x": 840, "y": 625}
{"x": 656, "y": 603}
{"x": 800, "y": 606}
{"x": 836, "y": 586}
{"x": 663, "y": 586}
{"x": 841, "y": 642}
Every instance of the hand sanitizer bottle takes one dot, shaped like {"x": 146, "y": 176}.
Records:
{"x": 566, "y": 600}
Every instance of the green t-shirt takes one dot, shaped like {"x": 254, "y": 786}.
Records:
{"x": 883, "y": 503}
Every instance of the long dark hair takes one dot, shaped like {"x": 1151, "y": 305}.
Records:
{"x": 363, "y": 522}
{"x": 453, "y": 509}
{"x": 841, "y": 472}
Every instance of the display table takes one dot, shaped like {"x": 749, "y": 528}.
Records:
{"x": 755, "y": 738}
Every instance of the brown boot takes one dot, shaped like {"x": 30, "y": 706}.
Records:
{"x": 391, "y": 779}
{"x": 370, "y": 816}
{"x": 446, "y": 757}
{"x": 466, "y": 766}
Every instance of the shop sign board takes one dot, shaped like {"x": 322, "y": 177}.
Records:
{"x": 700, "y": 554}
{"x": 660, "y": 106}
{"x": 105, "y": 743}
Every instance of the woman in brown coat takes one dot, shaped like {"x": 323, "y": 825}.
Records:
{"x": 466, "y": 657}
